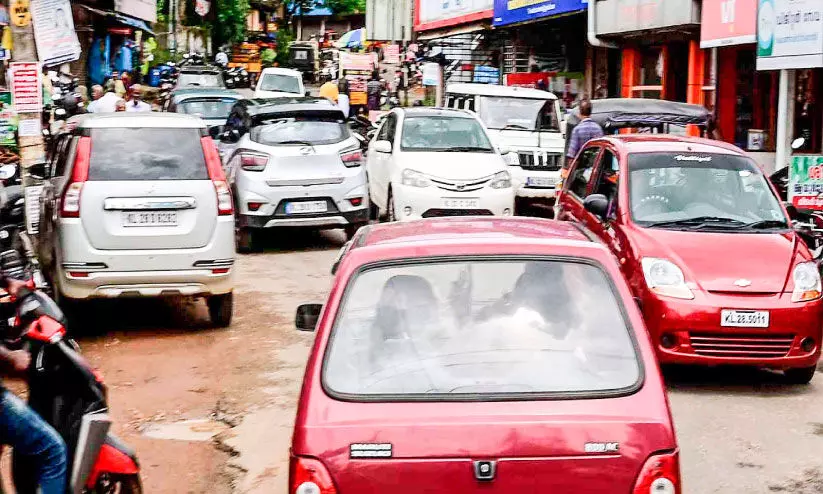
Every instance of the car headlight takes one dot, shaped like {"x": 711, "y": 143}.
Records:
{"x": 806, "y": 282}
{"x": 663, "y": 277}
{"x": 415, "y": 179}
{"x": 501, "y": 180}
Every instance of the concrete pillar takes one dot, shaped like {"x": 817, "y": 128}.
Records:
{"x": 785, "y": 119}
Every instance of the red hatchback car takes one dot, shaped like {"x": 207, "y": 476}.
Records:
{"x": 707, "y": 248}
{"x": 480, "y": 355}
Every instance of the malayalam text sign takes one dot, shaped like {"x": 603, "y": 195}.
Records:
{"x": 806, "y": 182}
{"x": 26, "y": 87}
{"x": 789, "y": 34}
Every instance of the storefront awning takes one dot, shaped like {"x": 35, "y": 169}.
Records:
{"x": 454, "y": 30}
{"x": 121, "y": 19}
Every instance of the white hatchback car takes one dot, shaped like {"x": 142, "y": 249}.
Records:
{"x": 277, "y": 82}
{"x": 137, "y": 205}
{"x": 426, "y": 162}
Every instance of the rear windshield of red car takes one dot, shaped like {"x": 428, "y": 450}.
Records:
{"x": 478, "y": 329}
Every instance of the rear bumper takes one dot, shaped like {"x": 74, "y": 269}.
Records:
{"x": 329, "y": 220}
{"x": 145, "y": 284}
{"x": 520, "y": 178}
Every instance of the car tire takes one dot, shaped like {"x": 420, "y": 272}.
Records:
{"x": 221, "y": 308}
{"x": 247, "y": 240}
{"x": 391, "y": 217}
{"x": 351, "y": 230}
{"x": 374, "y": 211}
{"x": 802, "y": 375}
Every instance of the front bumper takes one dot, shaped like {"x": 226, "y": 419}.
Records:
{"x": 428, "y": 202}
{"x": 694, "y": 328}
{"x": 337, "y": 219}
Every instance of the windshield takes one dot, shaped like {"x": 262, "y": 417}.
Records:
{"x": 302, "y": 130}
{"x": 207, "y": 108}
{"x": 192, "y": 79}
{"x": 480, "y": 327}
{"x": 708, "y": 190}
{"x": 518, "y": 114}
{"x": 436, "y": 133}
{"x": 281, "y": 83}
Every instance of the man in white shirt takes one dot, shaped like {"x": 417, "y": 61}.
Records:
{"x": 103, "y": 103}
{"x": 136, "y": 104}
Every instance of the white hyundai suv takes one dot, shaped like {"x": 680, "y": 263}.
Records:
{"x": 426, "y": 162}
{"x": 293, "y": 162}
{"x": 137, "y": 205}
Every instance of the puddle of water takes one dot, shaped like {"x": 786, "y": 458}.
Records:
{"x": 187, "y": 430}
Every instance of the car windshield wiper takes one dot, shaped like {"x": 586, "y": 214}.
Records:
{"x": 514, "y": 127}
{"x": 699, "y": 222}
{"x": 465, "y": 149}
{"x": 765, "y": 224}
{"x": 304, "y": 143}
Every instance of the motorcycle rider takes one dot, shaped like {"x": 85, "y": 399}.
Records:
{"x": 20, "y": 426}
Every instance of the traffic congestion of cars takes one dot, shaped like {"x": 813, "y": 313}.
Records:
{"x": 456, "y": 332}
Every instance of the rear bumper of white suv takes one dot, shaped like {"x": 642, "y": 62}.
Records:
{"x": 84, "y": 272}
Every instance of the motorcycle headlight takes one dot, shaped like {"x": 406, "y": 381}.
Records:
{"x": 415, "y": 179}
{"x": 806, "y": 282}
{"x": 663, "y": 277}
{"x": 501, "y": 180}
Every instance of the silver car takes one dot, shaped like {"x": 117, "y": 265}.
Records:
{"x": 293, "y": 163}
{"x": 137, "y": 205}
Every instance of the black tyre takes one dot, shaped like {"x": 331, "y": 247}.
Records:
{"x": 802, "y": 375}
{"x": 247, "y": 240}
{"x": 115, "y": 484}
{"x": 221, "y": 308}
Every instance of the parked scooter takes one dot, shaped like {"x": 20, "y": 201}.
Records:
{"x": 68, "y": 394}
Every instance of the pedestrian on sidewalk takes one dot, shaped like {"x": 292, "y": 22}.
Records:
{"x": 374, "y": 90}
{"x": 583, "y": 132}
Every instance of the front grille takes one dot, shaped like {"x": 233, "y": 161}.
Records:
{"x": 741, "y": 345}
{"x": 460, "y": 186}
{"x": 537, "y": 160}
{"x": 433, "y": 213}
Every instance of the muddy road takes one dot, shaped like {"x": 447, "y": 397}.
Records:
{"x": 209, "y": 411}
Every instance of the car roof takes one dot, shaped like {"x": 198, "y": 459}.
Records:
{"x": 435, "y": 112}
{"x": 139, "y": 120}
{"x": 258, "y": 106}
{"x": 468, "y": 230}
{"x": 500, "y": 91}
{"x": 283, "y": 71}
{"x": 200, "y": 69}
{"x": 201, "y": 92}
{"x": 649, "y": 143}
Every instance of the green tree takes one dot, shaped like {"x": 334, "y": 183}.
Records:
{"x": 346, "y": 6}
{"x": 230, "y": 22}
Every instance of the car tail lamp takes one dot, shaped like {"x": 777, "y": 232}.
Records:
{"x": 806, "y": 282}
{"x": 218, "y": 178}
{"x": 355, "y": 201}
{"x": 70, "y": 202}
{"x": 352, "y": 159}
{"x": 254, "y": 206}
{"x": 253, "y": 162}
{"x": 309, "y": 476}
{"x": 659, "y": 475}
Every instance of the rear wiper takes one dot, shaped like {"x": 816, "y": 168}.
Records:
{"x": 764, "y": 224}
{"x": 304, "y": 143}
{"x": 698, "y": 222}
{"x": 466, "y": 149}
{"x": 515, "y": 127}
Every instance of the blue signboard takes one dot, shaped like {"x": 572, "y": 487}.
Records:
{"x": 513, "y": 11}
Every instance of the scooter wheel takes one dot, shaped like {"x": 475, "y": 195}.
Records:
{"x": 125, "y": 484}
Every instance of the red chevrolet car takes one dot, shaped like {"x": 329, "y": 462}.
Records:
{"x": 707, "y": 248}
{"x": 480, "y": 355}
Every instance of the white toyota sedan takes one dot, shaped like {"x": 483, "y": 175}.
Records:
{"x": 427, "y": 162}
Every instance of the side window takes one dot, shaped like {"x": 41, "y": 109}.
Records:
{"x": 548, "y": 118}
{"x": 391, "y": 127}
{"x": 58, "y": 163}
{"x": 607, "y": 179}
{"x": 579, "y": 178}
{"x": 383, "y": 134}
{"x": 66, "y": 159}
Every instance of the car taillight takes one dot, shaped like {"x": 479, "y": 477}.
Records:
{"x": 70, "y": 202}
{"x": 309, "y": 476}
{"x": 218, "y": 178}
{"x": 659, "y": 475}
{"x": 253, "y": 162}
{"x": 352, "y": 159}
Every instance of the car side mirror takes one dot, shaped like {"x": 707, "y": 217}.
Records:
{"x": 37, "y": 170}
{"x": 307, "y": 317}
{"x": 382, "y": 147}
{"x": 597, "y": 204}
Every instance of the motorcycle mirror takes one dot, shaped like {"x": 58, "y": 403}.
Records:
{"x": 798, "y": 143}
{"x": 307, "y": 316}
{"x": 7, "y": 171}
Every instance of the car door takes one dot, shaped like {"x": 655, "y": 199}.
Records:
{"x": 378, "y": 167}
{"x": 59, "y": 167}
{"x": 576, "y": 186}
{"x": 606, "y": 182}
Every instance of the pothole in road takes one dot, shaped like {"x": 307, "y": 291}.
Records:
{"x": 186, "y": 430}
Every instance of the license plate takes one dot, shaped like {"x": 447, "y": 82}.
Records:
{"x": 150, "y": 218}
{"x": 541, "y": 182}
{"x": 744, "y": 318}
{"x": 306, "y": 207}
{"x": 459, "y": 203}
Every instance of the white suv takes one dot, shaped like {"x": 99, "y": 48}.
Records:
{"x": 137, "y": 205}
{"x": 293, "y": 163}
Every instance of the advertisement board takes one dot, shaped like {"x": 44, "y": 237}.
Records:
{"x": 728, "y": 22}
{"x": 628, "y": 16}
{"x": 433, "y": 14}
{"x": 54, "y": 32}
{"x": 514, "y": 11}
{"x": 806, "y": 182}
{"x": 140, "y": 9}
{"x": 26, "y": 87}
{"x": 357, "y": 69}
{"x": 389, "y": 20}
{"x": 789, "y": 34}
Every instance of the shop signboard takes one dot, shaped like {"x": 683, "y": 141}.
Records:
{"x": 806, "y": 182}
{"x": 8, "y": 128}
{"x": 628, "y": 16}
{"x": 514, "y": 11}
{"x": 433, "y": 14}
{"x": 356, "y": 68}
{"x": 728, "y": 22}
{"x": 54, "y": 32}
{"x": 789, "y": 34}
{"x": 141, "y": 9}
{"x": 26, "y": 87}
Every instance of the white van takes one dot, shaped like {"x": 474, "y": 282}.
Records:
{"x": 527, "y": 124}
{"x": 277, "y": 82}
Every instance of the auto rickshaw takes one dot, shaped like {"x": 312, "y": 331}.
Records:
{"x": 304, "y": 56}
